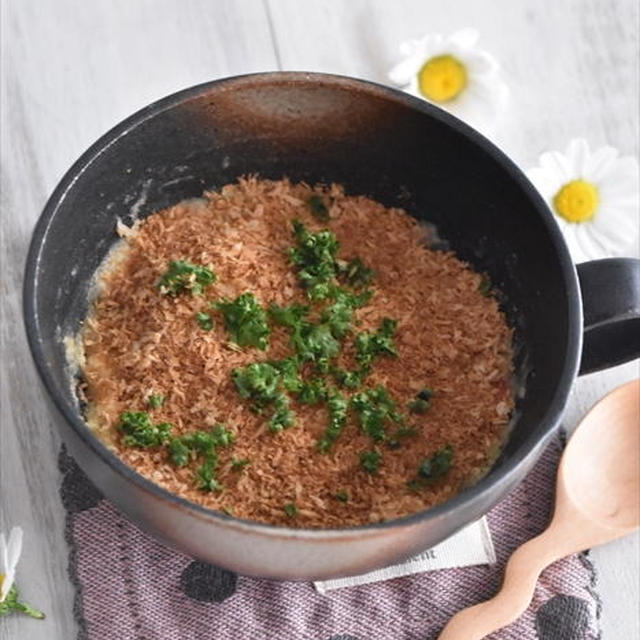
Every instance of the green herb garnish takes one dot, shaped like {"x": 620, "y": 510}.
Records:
{"x": 205, "y": 474}
{"x": 291, "y": 510}
{"x": 318, "y": 207}
{"x": 315, "y": 256}
{"x": 179, "y": 453}
{"x": 246, "y": 321}
{"x": 337, "y": 405}
{"x": 375, "y": 409}
{"x": 261, "y": 383}
{"x": 380, "y": 342}
{"x": 258, "y": 382}
{"x": 239, "y": 463}
{"x": 199, "y": 442}
{"x": 355, "y": 273}
{"x": 182, "y": 275}
{"x": 342, "y": 495}
{"x": 204, "y": 320}
{"x": 394, "y": 441}
{"x": 289, "y": 316}
{"x": 433, "y": 467}
{"x": 339, "y": 314}
{"x": 422, "y": 402}
{"x": 289, "y": 370}
{"x": 155, "y": 400}
{"x": 283, "y": 418}
{"x": 140, "y": 431}
{"x": 313, "y": 392}
{"x": 315, "y": 343}
{"x": 418, "y": 406}
{"x": 349, "y": 379}
{"x": 438, "y": 464}
{"x": 426, "y": 394}
{"x": 370, "y": 461}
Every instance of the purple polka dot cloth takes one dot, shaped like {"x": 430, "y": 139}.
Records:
{"x": 131, "y": 587}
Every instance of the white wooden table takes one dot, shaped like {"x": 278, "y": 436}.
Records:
{"x": 73, "y": 68}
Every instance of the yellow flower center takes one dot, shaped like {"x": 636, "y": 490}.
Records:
{"x": 576, "y": 201}
{"x": 442, "y": 78}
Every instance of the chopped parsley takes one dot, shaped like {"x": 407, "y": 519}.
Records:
{"x": 204, "y": 320}
{"x": 239, "y": 463}
{"x": 155, "y": 400}
{"x": 426, "y": 394}
{"x": 291, "y": 510}
{"x": 313, "y": 392}
{"x": 355, "y": 273}
{"x": 198, "y": 443}
{"x": 315, "y": 257}
{"x": 337, "y": 405}
{"x": 375, "y": 409}
{"x": 370, "y": 461}
{"x": 205, "y": 474}
{"x": 394, "y": 441}
{"x": 186, "y": 276}
{"x": 422, "y": 402}
{"x": 418, "y": 406}
{"x": 246, "y": 321}
{"x": 289, "y": 316}
{"x": 349, "y": 379}
{"x": 380, "y": 342}
{"x": 205, "y": 442}
{"x": 433, "y": 467}
{"x": 342, "y": 495}
{"x": 283, "y": 418}
{"x": 289, "y": 370}
{"x": 315, "y": 343}
{"x": 318, "y": 207}
{"x": 140, "y": 431}
{"x": 339, "y": 314}
{"x": 438, "y": 464}
{"x": 179, "y": 452}
{"x": 261, "y": 383}
{"x": 258, "y": 382}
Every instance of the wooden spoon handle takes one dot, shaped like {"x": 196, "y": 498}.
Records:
{"x": 521, "y": 575}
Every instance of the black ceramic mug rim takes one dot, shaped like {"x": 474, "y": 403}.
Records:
{"x": 531, "y": 447}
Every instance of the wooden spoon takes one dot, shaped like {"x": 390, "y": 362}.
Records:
{"x": 597, "y": 500}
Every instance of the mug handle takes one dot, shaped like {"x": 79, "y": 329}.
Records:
{"x": 611, "y": 304}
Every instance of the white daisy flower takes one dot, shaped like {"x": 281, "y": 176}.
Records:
{"x": 595, "y": 197}
{"x": 454, "y": 74}
{"x": 10, "y": 550}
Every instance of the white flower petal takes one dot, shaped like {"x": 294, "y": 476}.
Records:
{"x": 10, "y": 554}
{"x": 577, "y": 154}
{"x": 557, "y": 163}
{"x": 480, "y": 63}
{"x": 405, "y": 71}
{"x": 599, "y": 163}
